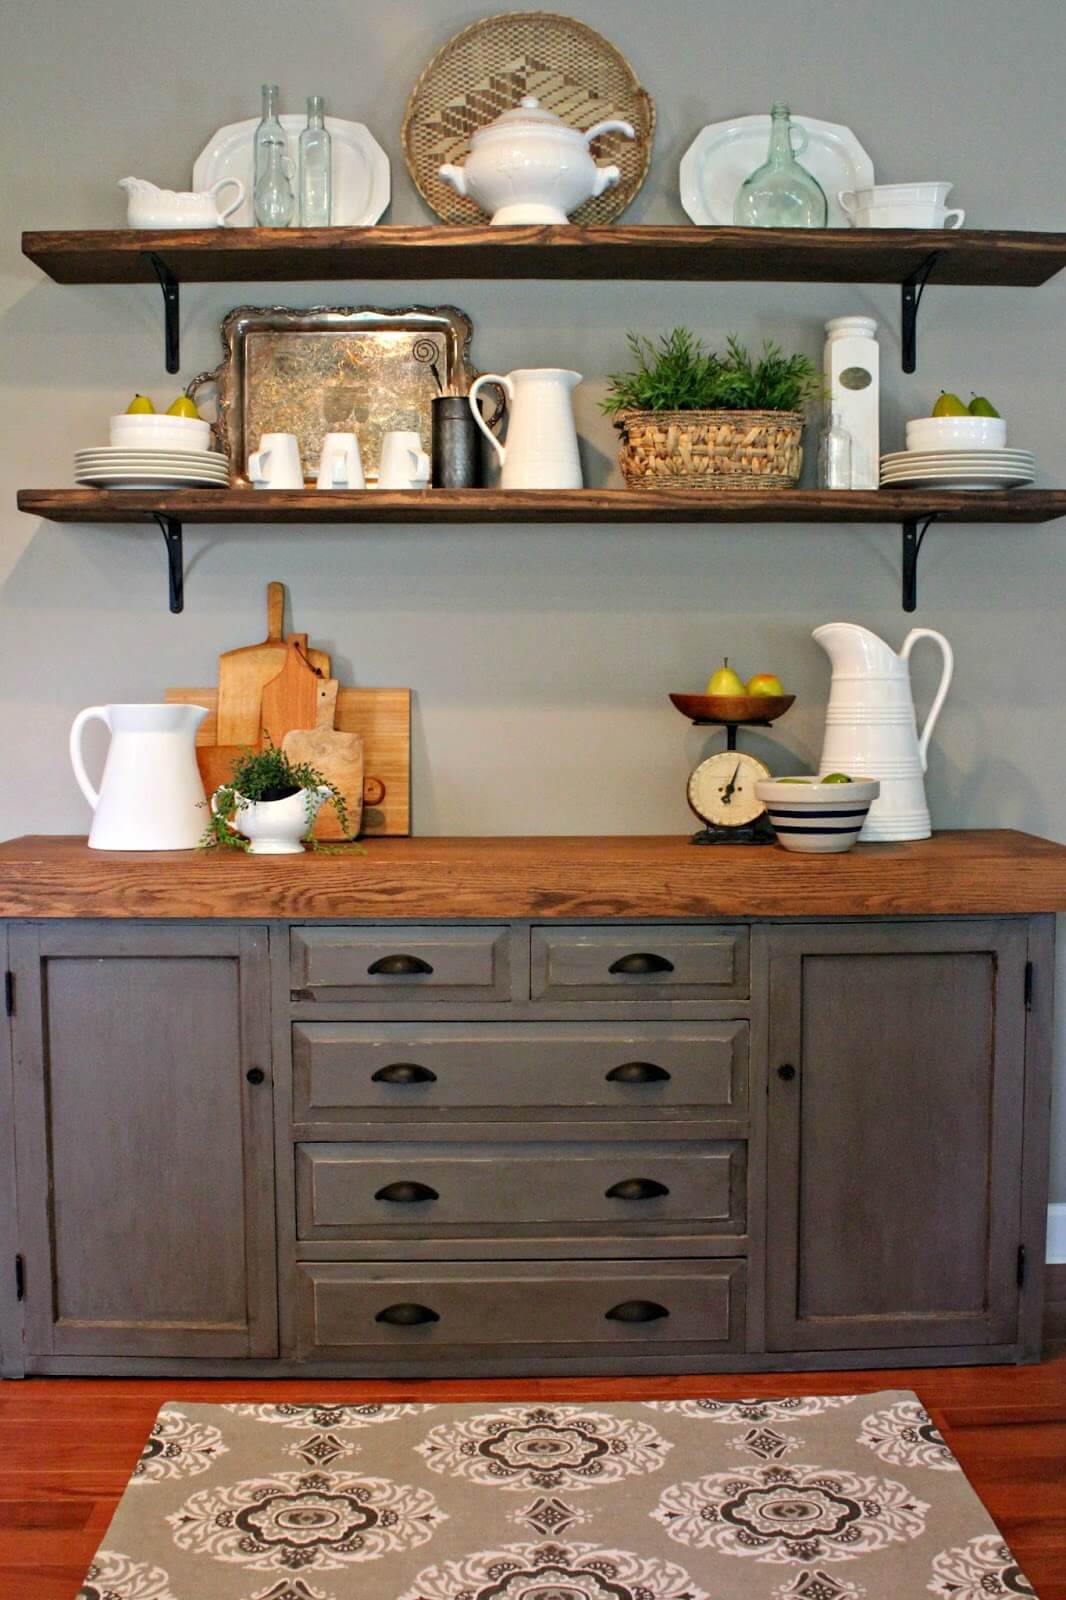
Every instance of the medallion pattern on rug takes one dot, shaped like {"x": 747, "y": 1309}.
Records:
{"x": 807, "y": 1405}
{"x": 555, "y": 1572}
{"x": 177, "y": 1448}
{"x": 327, "y": 1416}
{"x": 115, "y": 1577}
{"x": 544, "y": 1447}
{"x": 294, "y": 1521}
{"x": 906, "y": 1436}
{"x": 791, "y": 1514}
{"x": 983, "y": 1569}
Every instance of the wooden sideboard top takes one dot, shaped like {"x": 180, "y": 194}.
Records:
{"x": 974, "y": 872}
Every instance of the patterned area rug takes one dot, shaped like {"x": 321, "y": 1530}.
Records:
{"x": 852, "y": 1497}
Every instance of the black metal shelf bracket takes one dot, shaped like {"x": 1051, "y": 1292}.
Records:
{"x": 171, "y": 337}
{"x": 913, "y": 539}
{"x": 912, "y": 290}
{"x": 171, "y": 530}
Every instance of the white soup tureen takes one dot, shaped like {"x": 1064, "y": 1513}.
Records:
{"x": 530, "y": 166}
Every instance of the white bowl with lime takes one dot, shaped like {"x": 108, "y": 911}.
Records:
{"x": 818, "y": 816}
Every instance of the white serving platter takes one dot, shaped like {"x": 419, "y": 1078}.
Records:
{"x": 723, "y": 154}
{"x": 362, "y": 177}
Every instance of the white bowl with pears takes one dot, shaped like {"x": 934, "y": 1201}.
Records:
{"x": 956, "y": 426}
{"x": 142, "y": 427}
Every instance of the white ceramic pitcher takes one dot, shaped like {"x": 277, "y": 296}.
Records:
{"x": 870, "y": 727}
{"x": 541, "y": 450}
{"x": 151, "y": 795}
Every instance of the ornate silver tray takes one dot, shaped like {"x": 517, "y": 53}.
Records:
{"x": 333, "y": 369}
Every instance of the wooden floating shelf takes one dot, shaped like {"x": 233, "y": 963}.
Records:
{"x": 540, "y": 505}
{"x": 829, "y": 255}
{"x": 171, "y": 509}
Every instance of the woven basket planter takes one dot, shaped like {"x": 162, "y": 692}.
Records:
{"x": 711, "y": 449}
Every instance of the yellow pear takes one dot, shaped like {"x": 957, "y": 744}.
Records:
{"x": 139, "y": 404}
{"x": 183, "y": 407}
{"x": 725, "y": 681}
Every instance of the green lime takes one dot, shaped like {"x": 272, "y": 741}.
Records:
{"x": 794, "y": 780}
{"x": 837, "y": 777}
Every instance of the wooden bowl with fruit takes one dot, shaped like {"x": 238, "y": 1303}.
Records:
{"x": 729, "y": 699}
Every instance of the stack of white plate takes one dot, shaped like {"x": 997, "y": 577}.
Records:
{"x": 958, "y": 469}
{"x": 127, "y": 467}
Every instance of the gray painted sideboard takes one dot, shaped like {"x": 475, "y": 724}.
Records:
{"x": 555, "y": 1144}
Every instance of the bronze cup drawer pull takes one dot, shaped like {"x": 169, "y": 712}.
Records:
{"x": 636, "y": 1311}
{"x": 403, "y": 1072}
{"x": 636, "y": 1189}
{"x": 406, "y": 1314}
{"x": 641, "y": 961}
{"x": 406, "y": 1193}
{"x": 399, "y": 966}
{"x": 638, "y": 1072}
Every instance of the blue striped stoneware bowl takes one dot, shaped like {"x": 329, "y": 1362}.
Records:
{"x": 817, "y": 818}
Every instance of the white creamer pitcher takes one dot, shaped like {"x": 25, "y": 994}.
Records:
{"x": 870, "y": 726}
{"x": 151, "y": 795}
{"x": 541, "y": 450}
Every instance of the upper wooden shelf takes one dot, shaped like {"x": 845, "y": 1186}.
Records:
{"x": 850, "y": 255}
{"x": 540, "y": 505}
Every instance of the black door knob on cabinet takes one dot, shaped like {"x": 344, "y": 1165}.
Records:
{"x": 641, "y": 961}
{"x": 406, "y": 1193}
{"x": 255, "y": 1075}
{"x": 787, "y": 1071}
{"x": 398, "y": 966}
{"x": 638, "y": 1072}
{"x": 636, "y": 1189}
{"x": 403, "y": 1072}
{"x": 405, "y": 1314}
{"x": 636, "y": 1311}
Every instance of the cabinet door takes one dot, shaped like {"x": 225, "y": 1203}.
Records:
{"x": 896, "y": 1085}
{"x": 144, "y": 1153}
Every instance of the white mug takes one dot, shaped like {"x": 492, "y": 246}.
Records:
{"x": 911, "y": 214}
{"x": 276, "y": 464}
{"x": 404, "y": 464}
{"x": 340, "y": 465}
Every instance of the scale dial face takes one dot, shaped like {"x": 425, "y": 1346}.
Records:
{"x": 722, "y": 789}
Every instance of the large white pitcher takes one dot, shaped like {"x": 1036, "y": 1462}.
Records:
{"x": 870, "y": 726}
{"x": 151, "y": 796}
{"x": 541, "y": 450}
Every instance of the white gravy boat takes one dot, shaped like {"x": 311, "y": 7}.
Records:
{"x": 150, "y": 207}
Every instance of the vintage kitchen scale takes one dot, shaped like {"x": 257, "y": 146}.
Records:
{"x": 721, "y": 789}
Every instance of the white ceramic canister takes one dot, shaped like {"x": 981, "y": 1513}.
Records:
{"x": 853, "y": 379}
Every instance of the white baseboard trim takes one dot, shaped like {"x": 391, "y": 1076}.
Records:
{"x": 1056, "y": 1234}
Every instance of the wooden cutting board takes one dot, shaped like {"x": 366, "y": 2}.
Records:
{"x": 339, "y": 758}
{"x": 290, "y": 699}
{"x": 243, "y": 673}
{"x": 381, "y": 716}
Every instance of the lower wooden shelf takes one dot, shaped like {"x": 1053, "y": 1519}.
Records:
{"x": 171, "y": 509}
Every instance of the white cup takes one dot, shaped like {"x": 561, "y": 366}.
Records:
{"x": 404, "y": 464}
{"x": 920, "y": 214}
{"x": 894, "y": 194}
{"x": 276, "y": 464}
{"x": 340, "y": 465}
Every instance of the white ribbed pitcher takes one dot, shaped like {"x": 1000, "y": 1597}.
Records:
{"x": 870, "y": 727}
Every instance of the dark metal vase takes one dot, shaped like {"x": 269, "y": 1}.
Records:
{"x": 456, "y": 444}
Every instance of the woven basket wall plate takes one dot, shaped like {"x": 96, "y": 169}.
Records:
{"x": 488, "y": 67}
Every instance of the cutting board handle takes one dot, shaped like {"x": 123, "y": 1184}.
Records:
{"x": 326, "y": 705}
{"x": 275, "y": 612}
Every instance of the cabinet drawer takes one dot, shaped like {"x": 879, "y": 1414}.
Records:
{"x": 532, "y": 1309}
{"x": 382, "y": 964}
{"x": 397, "y": 1071}
{"x": 361, "y": 1191}
{"x": 639, "y": 963}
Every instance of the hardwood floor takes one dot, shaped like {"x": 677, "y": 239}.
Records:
{"x": 67, "y": 1446}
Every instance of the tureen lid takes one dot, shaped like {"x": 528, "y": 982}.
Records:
{"x": 529, "y": 113}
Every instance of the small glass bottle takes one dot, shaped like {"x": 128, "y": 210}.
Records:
{"x": 834, "y": 455}
{"x": 273, "y": 198}
{"x": 315, "y": 164}
{"x": 781, "y": 193}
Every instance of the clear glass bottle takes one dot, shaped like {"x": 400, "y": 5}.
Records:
{"x": 273, "y": 197}
{"x": 834, "y": 454}
{"x": 781, "y": 193}
{"x": 315, "y": 168}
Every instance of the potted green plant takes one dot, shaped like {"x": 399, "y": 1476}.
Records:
{"x": 269, "y": 805}
{"x": 693, "y": 419}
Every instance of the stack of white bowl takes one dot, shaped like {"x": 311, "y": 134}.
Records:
{"x": 149, "y": 451}
{"x": 958, "y": 453}
{"x": 900, "y": 205}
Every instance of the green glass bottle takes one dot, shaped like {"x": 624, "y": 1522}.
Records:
{"x": 781, "y": 193}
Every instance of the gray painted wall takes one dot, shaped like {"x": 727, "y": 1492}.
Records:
{"x": 540, "y": 657}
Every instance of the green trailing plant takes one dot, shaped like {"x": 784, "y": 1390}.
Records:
{"x": 679, "y": 374}
{"x": 267, "y": 774}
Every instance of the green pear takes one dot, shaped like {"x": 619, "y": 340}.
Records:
{"x": 837, "y": 777}
{"x": 980, "y": 407}
{"x": 725, "y": 681}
